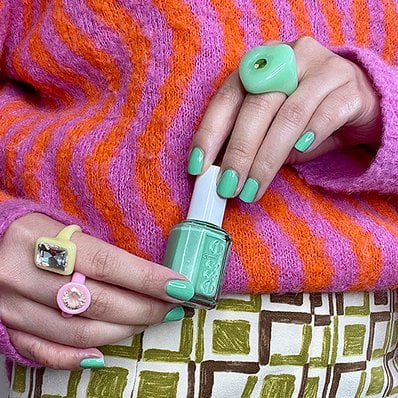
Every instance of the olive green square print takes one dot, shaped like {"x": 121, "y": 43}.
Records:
{"x": 107, "y": 382}
{"x": 278, "y": 386}
{"x": 157, "y": 384}
{"x": 354, "y": 337}
{"x": 231, "y": 336}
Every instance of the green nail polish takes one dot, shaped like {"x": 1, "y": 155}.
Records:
{"x": 249, "y": 190}
{"x": 305, "y": 141}
{"x": 91, "y": 363}
{"x": 180, "y": 290}
{"x": 227, "y": 185}
{"x": 195, "y": 163}
{"x": 175, "y": 314}
{"x": 269, "y": 68}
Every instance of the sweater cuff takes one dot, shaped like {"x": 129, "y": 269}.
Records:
{"x": 10, "y": 210}
{"x": 355, "y": 169}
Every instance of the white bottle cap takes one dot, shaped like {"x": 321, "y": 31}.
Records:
{"x": 206, "y": 205}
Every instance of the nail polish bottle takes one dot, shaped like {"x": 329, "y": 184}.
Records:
{"x": 198, "y": 248}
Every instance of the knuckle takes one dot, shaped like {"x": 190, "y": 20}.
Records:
{"x": 50, "y": 359}
{"x": 326, "y": 119}
{"x": 337, "y": 63}
{"x": 292, "y": 114}
{"x": 81, "y": 336}
{"x": 101, "y": 304}
{"x": 306, "y": 42}
{"x": 149, "y": 280}
{"x": 228, "y": 94}
{"x": 104, "y": 264}
{"x": 239, "y": 150}
{"x": 149, "y": 313}
{"x": 259, "y": 104}
{"x": 268, "y": 167}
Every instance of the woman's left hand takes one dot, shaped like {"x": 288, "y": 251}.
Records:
{"x": 333, "y": 106}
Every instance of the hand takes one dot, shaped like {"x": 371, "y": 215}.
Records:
{"x": 333, "y": 106}
{"x": 127, "y": 293}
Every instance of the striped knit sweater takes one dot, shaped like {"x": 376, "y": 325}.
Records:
{"x": 99, "y": 101}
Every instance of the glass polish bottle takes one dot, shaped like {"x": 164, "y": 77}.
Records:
{"x": 198, "y": 247}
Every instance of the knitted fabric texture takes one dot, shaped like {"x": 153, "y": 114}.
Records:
{"x": 99, "y": 102}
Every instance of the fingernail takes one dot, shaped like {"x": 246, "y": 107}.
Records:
{"x": 227, "y": 185}
{"x": 249, "y": 190}
{"x": 305, "y": 141}
{"x": 195, "y": 163}
{"x": 175, "y": 314}
{"x": 180, "y": 290}
{"x": 91, "y": 363}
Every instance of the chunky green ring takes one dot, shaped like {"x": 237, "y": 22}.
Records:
{"x": 265, "y": 69}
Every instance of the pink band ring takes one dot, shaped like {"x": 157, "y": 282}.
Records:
{"x": 74, "y": 298}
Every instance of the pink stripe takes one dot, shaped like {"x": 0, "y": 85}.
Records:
{"x": 337, "y": 246}
{"x": 138, "y": 216}
{"x": 236, "y": 279}
{"x": 250, "y": 23}
{"x": 288, "y": 29}
{"x": 377, "y": 26}
{"x": 319, "y": 26}
{"x": 383, "y": 240}
{"x": 200, "y": 88}
{"x": 117, "y": 52}
{"x": 283, "y": 252}
{"x": 345, "y": 8}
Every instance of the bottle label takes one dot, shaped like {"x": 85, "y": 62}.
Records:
{"x": 211, "y": 263}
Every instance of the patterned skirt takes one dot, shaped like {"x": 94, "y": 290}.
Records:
{"x": 268, "y": 346}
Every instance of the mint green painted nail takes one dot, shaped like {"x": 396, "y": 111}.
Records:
{"x": 175, "y": 314}
{"x": 227, "y": 185}
{"x": 305, "y": 141}
{"x": 269, "y": 68}
{"x": 249, "y": 190}
{"x": 91, "y": 363}
{"x": 180, "y": 290}
{"x": 195, "y": 163}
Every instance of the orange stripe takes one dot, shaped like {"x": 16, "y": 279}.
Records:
{"x": 368, "y": 255}
{"x": 105, "y": 150}
{"x": 385, "y": 209}
{"x": 333, "y": 21}
{"x": 234, "y": 46}
{"x": 263, "y": 277}
{"x": 387, "y": 224}
{"x": 269, "y": 21}
{"x": 318, "y": 270}
{"x": 361, "y": 23}
{"x": 27, "y": 15}
{"x": 301, "y": 17}
{"x": 154, "y": 190}
{"x": 33, "y": 159}
{"x": 391, "y": 29}
{"x": 100, "y": 60}
{"x": 45, "y": 91}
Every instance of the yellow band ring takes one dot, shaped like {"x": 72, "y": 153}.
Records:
{"x": 57, "y": 254}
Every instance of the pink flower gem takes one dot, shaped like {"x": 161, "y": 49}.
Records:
{"x": 73, "y": 298}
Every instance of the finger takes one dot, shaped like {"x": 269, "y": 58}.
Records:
{"x": 108, "y": 303}
{"x": 287, "y": 126}
{"x": 252, "y": 123}
{"x": 48, "y": 324}
{"x": 53, "y": 355}
{"x": 104, "y": 262}
{"x": 338, "y": 108}
{"x": 216, "y": 124}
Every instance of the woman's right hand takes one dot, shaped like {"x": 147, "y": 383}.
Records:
{"x": 128, "y": 293}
